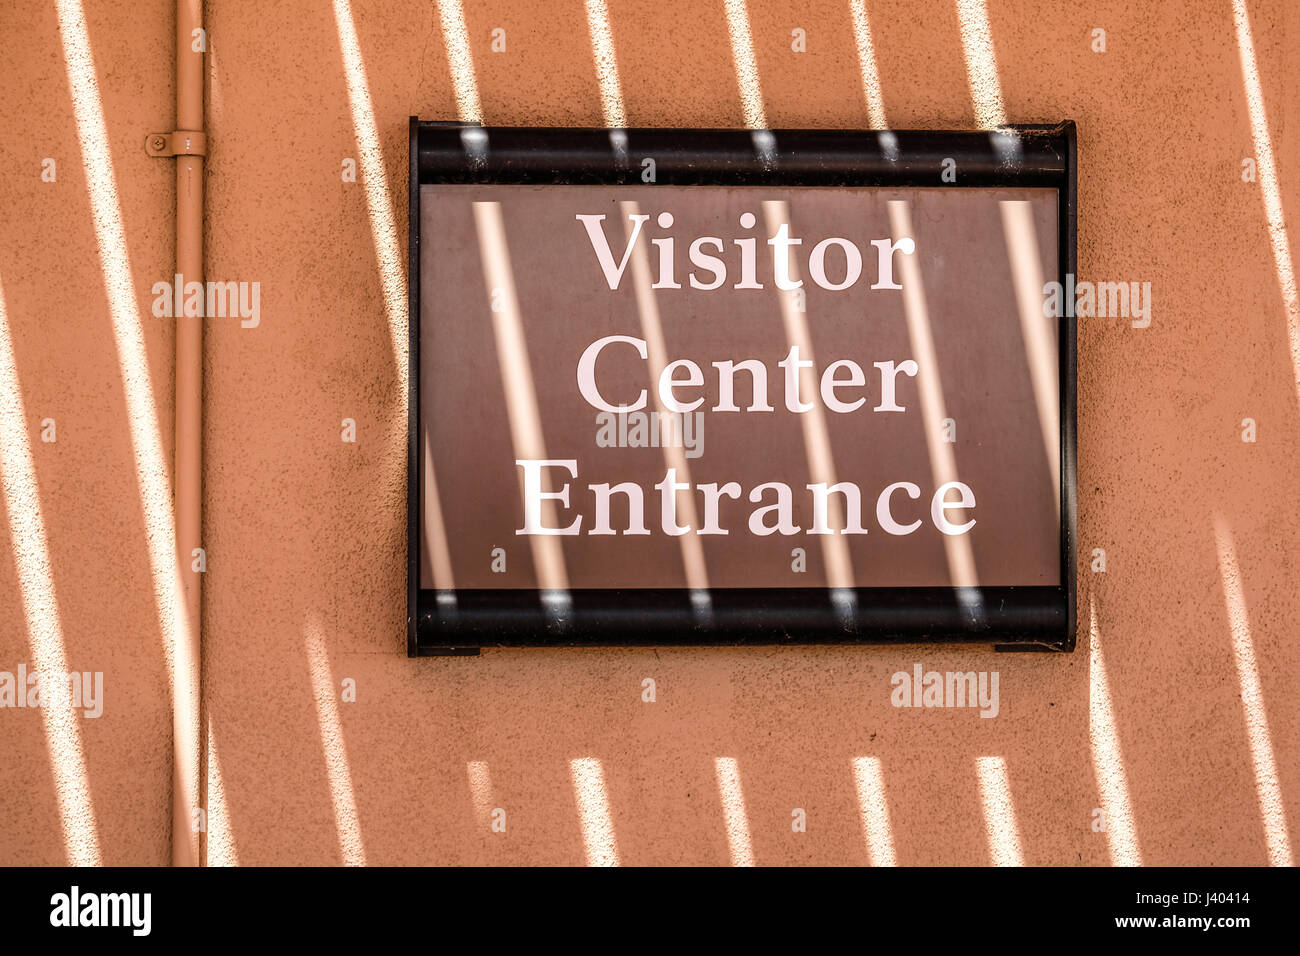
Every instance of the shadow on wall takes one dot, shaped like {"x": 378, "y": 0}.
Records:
{"x": 1173, "y": 715}
{"x": 86, "y": 434}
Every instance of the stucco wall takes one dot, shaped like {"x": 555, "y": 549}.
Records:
{"x": 305, "y": 534}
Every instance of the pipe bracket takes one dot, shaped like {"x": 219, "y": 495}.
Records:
{"x": 182, "y": 142}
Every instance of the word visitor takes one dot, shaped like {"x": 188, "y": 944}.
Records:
{"x": 711, "y": 271}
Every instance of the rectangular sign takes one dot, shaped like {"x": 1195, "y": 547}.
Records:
{"x": 723, "y": 387}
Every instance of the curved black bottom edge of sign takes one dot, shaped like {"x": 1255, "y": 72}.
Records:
{"x": 456, "y": 621}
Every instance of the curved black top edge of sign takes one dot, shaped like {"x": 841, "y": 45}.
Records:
{"x": 1021, "y": 155}
{"x": 1009, "y": 618}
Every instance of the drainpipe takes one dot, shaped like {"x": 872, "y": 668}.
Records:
{"x": 188, "y": 145}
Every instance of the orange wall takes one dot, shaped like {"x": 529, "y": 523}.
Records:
{"x": 306, "y": 535}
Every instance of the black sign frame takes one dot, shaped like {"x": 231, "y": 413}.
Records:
{"x": 1010, "y": 618}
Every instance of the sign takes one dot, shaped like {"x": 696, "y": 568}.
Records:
{"x": 727, "y": 387}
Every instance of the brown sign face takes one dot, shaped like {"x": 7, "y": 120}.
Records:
{"x": 738, "y": 387}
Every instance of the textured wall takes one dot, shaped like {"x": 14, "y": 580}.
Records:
{"x": 305, "y": 533}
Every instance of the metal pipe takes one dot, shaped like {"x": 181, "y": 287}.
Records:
{"x": 191, "y": 44}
